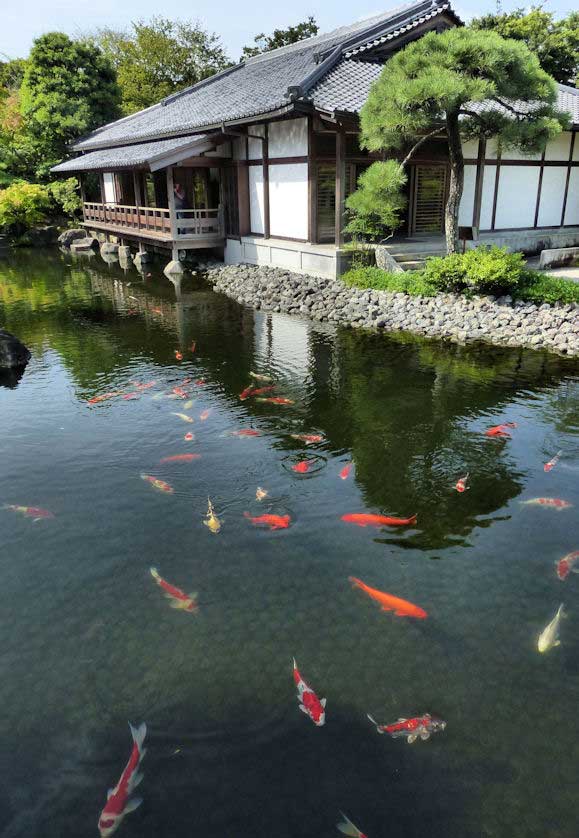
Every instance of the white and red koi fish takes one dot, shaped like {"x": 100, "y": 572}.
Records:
{"x": 345, "y": 472}
{"x": 308, "y": 439}
{"x": 189, "y": 437}
{"x": 119, "y": 802}
{"x": 553, "y": 503}
{"x": 411, "y": 729}
{"x": 348, "y": 828}
{"x": 310, "y": 704}
{"x": 461, "y": 484}
{"x": 566, "y": 565}
{"x": 260, "y": 493}
{"x": 179, "y": 599}
{"x": 160, "y": 485}
{"x": 552, "y": 462}
{"x": 260, "y": 377}
{"x": 102, "y": 398}
{"x": 204, "y": 415}
{"x": 302, "y": 467}
{"x": 34, "y": 512}
{"x": 275, "y": 400}
{"x": 181, "y": 458}
{"x": 178, "y": 355}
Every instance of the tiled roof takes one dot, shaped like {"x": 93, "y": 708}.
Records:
{"x": 260, "y": 85}
{"x": 346, "y": 88}
{"x": 142, "y": 154}
{"x": 400, "y": 29}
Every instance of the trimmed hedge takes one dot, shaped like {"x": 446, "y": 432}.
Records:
{"x": 409, "y": 282}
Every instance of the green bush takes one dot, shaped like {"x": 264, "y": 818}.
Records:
{"x": 484, "y": 270}
{"x": 536, "y": 287}
{"x": 407, "y": 282}
{"x": 66, "y": 196}
{"x": 22, "y": 205}
{"x": 375, "y": 207}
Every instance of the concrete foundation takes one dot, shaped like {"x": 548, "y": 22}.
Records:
{"x": 109, "y": 247}
{"x": 141, "y": 260}
{"x": 173, "y": 268}
{"x": 559, "y": 257}
{"x": 299, "y": 257}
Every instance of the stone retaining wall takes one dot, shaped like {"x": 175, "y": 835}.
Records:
{"x": 450, "y": 316}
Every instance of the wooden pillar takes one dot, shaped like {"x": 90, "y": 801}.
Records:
{"x": 340, "y": 184}
{"x": 171, "y": 203}
{"x": 312, "y": 185}
{"x": 265, "y": 157}
{"x": 567, "y": 179}
{"x": 478, "y": 185}
{"x": 243, "y": 198}
{"x": 137, "y": 182}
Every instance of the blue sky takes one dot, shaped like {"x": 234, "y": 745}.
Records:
{"x": 237, "y": 23}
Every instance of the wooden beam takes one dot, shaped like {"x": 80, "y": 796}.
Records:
{"x": 137, "y": 181}
{"x": 340, "y": 184}
{"x": 496, "y": 194}
{"x": 539, "y": 188}
{"x": 312, "y": 185}
{"x": 265, "y": 155}
{"x": 243, "y": 199}
{"x": 171, "y": 202}
{"x": 478, "y": 186}
{"x": 573, "y": 135}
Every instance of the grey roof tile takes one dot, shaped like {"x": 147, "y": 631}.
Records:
{"x": 141, "y": 154}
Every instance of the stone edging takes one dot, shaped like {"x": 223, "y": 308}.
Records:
{"x": 451, "y": 316}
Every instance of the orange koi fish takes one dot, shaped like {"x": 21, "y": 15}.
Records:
{"x": 260, "y": 390}
{"x": 178, "y": 355}
{"x": 566, "y": 565}
{"x": 275, "y": 400}
{"x": 345, "y": 472}
{"x": 180, "y": 392}
{"x": 131, "y": 396}
{"x": 181, "y": 458}
{"x": 302, "y": 467}
{"x": 273, "y": 522}
{"x": 102, "y": 398}
{"x": 362, "y": 519}
{"x": 146, "y": 386}
{"x": 388, "y": 602}
{"x": 204, "y": 415}
{"x": 552, "y": 462}
{"x": 348, "y": 828}
{"x": 553, "y": 503}
{"x": 246, "y": 432}
{"x": 500, "y": 430}
{"x": 184, "y": 417}
{"x": 461, "y": 484}
{"x": 179, "y": 600}
{"x": 189, "y": 437}
{"x": 158, "y": 484}
{"x": 193, "y": 346}
{"x": 309, "y": 439}
{"x": 245, "y": 394}
{"x": 309, "y": 703}
{"x": 119, "y": 802}
{"x": 200, "y": 382}
{"x": 34, "y": 512}
{"x": 156, "y": 310}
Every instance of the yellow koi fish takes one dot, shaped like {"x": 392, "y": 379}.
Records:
{"x": 184, "y": 417}
{"x": 549, "y": 637}
{"x": 211, "y": 519}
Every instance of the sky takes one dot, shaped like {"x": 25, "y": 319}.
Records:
{"x": 236, "y": 23}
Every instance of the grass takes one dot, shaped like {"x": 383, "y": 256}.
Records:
{"x": 532, "y": 286}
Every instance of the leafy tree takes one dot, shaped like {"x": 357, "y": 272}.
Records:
{"x": 437, "y": 86}
{"x": 376, "y": 205}
{"x": 68, "y": 89}
{"x": 554, "y": 42}
{"x": 281, "y": 38}
{"x": 156, "y": 58}
{"x": 11, "y": 73}
{"x": 22, "y": 205}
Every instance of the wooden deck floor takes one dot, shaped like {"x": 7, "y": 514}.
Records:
{"x": 157, "y": 237}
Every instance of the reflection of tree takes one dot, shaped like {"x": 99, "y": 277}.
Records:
{"x": 404, "y": 413}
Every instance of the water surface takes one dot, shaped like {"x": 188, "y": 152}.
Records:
{"x": 89, "y": 642}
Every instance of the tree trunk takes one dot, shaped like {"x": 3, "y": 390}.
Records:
{"x": 456, "y": 182}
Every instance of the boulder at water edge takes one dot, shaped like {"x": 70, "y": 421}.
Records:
{"x": 13, "y": 353}
{"x": 66, "y": 239}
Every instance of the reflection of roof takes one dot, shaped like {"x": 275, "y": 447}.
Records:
{"x": 142, "y": 154}
{"x": 259, "y": 85}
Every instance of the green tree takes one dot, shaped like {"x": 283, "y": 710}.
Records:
{"x": 462, "y": 83}
{"x": 14, "y": 160}
{"x": 554, "y": 42}
{"x": 156, "y": 58}
{"x": 281, "y": 38}
{"x": 68, "y": 89}
{"x": 376, "y": 205}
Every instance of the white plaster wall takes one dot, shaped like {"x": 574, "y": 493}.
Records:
{"x": 491, "y": 151}
{"x": 576, "y": 146}
{"x": 466, "y": 208}
{"x": 572, "y": 208}
{"x": 552, "y": 192}
{"x": 288, "y": 138}
{"x": 109, "y": 188}
{"x": 559, "y": 148}
{"x": 288, "y": 201}
{"x": 517, "y": 196}
{"x": 222, "y": 150}
{"x": 256, "y": 214}
{"x": 488, "y": 193}
{"x": 256, "y": 146}
{"x": 510, "y": 153}
{"x": 239, "y": 148}
{"x": 470, "y": 149}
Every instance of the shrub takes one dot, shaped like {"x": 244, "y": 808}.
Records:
{"x": 484, "y": 270}
{"x": 536, "y": 287}
{"x": 22, "y": 205}
{"x": 445, "y": 273}
{"x": 408, "y": 282}
{"x": 66, "y": 196}
{"x": 374, "y": 208}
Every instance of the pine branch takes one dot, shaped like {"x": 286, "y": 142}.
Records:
{"x": 420, "y": 142}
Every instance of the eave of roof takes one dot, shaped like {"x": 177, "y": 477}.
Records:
{"x": 151, "y": 156}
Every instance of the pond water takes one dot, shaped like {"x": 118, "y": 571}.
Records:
{"x": 89, "y": 642}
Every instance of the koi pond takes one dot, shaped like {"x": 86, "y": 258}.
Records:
{"x": 298, "y": 431}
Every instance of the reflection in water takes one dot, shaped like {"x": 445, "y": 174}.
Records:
{"x": 89, "y": 641}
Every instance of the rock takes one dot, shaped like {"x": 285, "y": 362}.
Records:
{"x": 13, "y": 353}
{"x": 386, "y": 261}
{"x": 65, "y": 239}
{"x": 85, "y": 245}
{"x": 43, "y": 236}
{"x": 109, "y": 247}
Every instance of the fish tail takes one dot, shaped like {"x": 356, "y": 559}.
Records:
{"x": 374, "y": 722}
{"x": 414, "y": 518}
{"x": 138, "y": 734}
{"x": 356, "y": 583}
{"x": 155, "y": 574}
